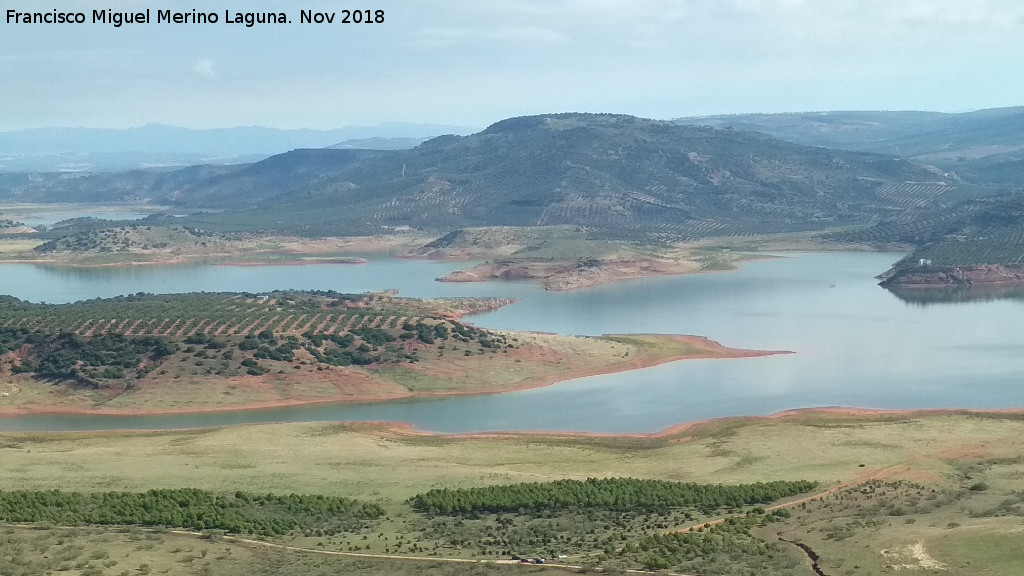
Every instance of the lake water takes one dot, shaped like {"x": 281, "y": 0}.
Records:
{"x": 855, "y": 344}
{"x": 48, "y": 217}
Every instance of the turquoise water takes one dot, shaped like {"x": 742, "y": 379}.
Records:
{"x": 855, "y": 344}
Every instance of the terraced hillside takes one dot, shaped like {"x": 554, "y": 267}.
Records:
{"x": 114, "y": 342}
{"x": 973, "y": 243}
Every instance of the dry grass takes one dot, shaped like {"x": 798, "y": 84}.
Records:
{"x": 390, "y": 464}
{"x": 12, "y": 248}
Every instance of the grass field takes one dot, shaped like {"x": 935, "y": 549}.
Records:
{"x": 377, "y": 462}
{"x": 923, "y": 490}
{"x": 17, "y": 246}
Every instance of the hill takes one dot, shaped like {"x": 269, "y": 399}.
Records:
{"x": 135, "y": 239}
{"x": 909, "y": 134}
{"x": 618, "y": 176}
{"x": 979, "y": 242}
{"x": 846, "y": 130}
{"x": 238, "y": 185}
{"x": 377, "y": 143}
{"x": 984, "y": 146}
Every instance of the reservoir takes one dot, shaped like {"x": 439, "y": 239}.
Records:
{"x": 854, "y": 344}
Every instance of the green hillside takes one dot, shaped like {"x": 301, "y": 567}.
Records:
{"x": 974, "y": 243}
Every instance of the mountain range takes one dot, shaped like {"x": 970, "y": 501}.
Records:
{"x": 619, "y": 176}
{"x": 909, "y": 134}
{"x": 96, "y": 149}
{"x": 983, "y": 146}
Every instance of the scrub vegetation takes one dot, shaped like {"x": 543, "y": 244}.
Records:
{"x": 115, "y": 342}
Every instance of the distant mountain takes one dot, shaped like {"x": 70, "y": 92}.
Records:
{"x": 91, "y": 162}
{"x": 94, "y": 149}
{"x": 379, "y": 144}
{"x": 618, "y": 176}
{"x": 909, "y": 134}
{"x": 984, "y": 147}
{"x": 847, "y": 130}
{"x": 203, "y": 186}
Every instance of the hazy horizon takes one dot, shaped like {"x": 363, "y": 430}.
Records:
{"x": 467, "y": 129}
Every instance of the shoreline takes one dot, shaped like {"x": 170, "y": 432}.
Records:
{"x": 953, "y": 277}
{"x": 557, "y": 277}
{"x": 675, "y": 433}
{"x": 187, "y": 260}
{"x": 296, "y": 262}
{"x": 282, "y": 250}
{"x": 707, "y": 349}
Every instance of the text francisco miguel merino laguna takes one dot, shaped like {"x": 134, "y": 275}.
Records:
{"x": 249, "y": 19}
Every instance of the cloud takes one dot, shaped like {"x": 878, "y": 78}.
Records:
{"x": 204, "y": 69}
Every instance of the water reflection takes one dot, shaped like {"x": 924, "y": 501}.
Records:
{"x": 958, "y": 294}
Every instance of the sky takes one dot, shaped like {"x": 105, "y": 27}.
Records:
{"x": 474, "y": 62}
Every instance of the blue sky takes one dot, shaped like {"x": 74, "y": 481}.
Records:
{"x": 472, "y": 63}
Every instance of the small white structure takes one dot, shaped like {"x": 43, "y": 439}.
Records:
{"x": 924, "y": 262}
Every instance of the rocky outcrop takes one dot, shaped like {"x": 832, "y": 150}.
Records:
{"x": 954, "y": 276}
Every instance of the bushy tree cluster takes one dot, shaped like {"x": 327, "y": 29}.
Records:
{"x": 14, "y": 338}
{"x": 241, "y": 512}
{"x": 341, "y": 340}
{"x": 253, "y": 368}
{"x": 611, "y": 493}
{"x": 725, "y": 548}
{"x": 284, "y": 352}
{"x": 104, "y": 356}
{"x": 373, "y": 336}
{"x": 426, "y": 333}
